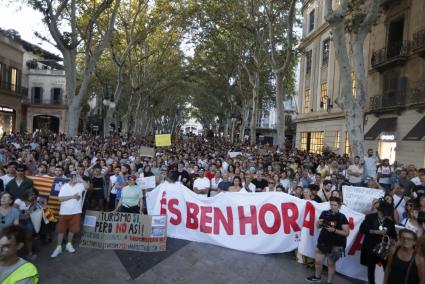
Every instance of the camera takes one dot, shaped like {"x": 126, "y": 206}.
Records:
{"x": 329, "y": 218}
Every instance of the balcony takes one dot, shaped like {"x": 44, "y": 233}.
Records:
{"x": 396, "y": 100}
{"x": 394, "y": 54}
{"x": 418, "y": 43}
{"x": 13, "y": 88}
{"x": 34, "y": 101}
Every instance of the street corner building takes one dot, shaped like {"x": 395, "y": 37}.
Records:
{"x": 32, "y": 87}
{"x": 395, "y": 61}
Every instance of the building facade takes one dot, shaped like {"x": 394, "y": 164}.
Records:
{"x": 11, "y": 91}
{"x": 395, "y": 122}
{"x": 320, "y": 122}
{"x": 46, "y": 102}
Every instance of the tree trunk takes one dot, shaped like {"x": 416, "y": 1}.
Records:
{"x": 245, "y": 117}
{"x": 280, "y": 111}
{"x": 255, "y": 101}
{"x": 73, "y": 118}
{"x": 108, "y": 120}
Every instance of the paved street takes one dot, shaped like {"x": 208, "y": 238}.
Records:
{"x": 184, "y": 262}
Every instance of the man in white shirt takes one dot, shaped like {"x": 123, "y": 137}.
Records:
{"x": 71, "y": 199}
{"x": 355, "y": 172}
{"x": 202, "y": 184}
{"x": 385, "y": 172}
{"x": 10, "y": 173}
{"x": 370, "y": 162}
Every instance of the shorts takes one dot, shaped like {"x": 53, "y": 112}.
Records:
{"x": 97, "y": 194}
{"x": 335, "y": 253}
{"x": 70, "y": 223}
{"x": 27, "y": 225}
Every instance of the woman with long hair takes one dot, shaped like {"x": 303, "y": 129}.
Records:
{"x": 236, "y": 184}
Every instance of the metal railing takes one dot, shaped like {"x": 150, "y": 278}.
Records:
{"x": 414, "y": 95}
{"x": 13, "y": 88}
{"x": 35, "y": 101}
{"x": 418, "y": 40}
{"x": 396, "y": 49}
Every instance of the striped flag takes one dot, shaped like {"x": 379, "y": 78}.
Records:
{"x": 49, "y": 187}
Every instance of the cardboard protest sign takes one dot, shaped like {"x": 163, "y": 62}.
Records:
{"x": 360, "y": 198}
{"x": 124, "y": 231}
{"x": 146, "y": 182}
{"x": 162, "y": 140}
{"x": 234, "y": 154}
{"x": 146, "y": 151}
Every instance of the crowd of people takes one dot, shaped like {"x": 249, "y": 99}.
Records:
{"x": 103, "y": 175}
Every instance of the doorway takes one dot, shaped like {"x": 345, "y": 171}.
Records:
{"x": 387, "y": 150}
{"x": 46, "y": 122}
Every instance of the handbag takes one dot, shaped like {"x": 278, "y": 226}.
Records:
{"x": 382, "y": 250}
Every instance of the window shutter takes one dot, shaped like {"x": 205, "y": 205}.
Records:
{"x": 32, "y": 94}
{"x": 52, "y": 96}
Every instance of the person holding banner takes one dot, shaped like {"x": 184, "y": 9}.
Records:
{"x": 332, "y": 240}
{"x": 375, "y": 227}
{"x": 131, "y": 200}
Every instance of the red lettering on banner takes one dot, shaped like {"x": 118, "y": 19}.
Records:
{"x": 205, "y": 219}
{"x": 351, "y": 223}
{"x": 244, "y": 220}
{"x": 163, "y": 204}
{"x": 290, "y": 221}
{"x": 311, "y": 212}
{"x": 262, "y": 218}
{"x": 121, "y": 228}
{"x": 357, "y": 245}
{"x": 173, "y": 210}
{"x": 192, "y": 215}
{"x": 220, "y": 219}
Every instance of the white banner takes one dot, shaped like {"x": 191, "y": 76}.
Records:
{"x": 272, "y": 222}
{"x": 360, "y": 198}
{"x": 146, "y": 182}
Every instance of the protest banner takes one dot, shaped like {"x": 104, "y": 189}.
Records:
{"x": 162, "y": 140}
{"x": 233, "y": 154}
{"x": 360, "y": 198}
{"x": 146, "y": 182}
{"x": 124, "y": 231}
{"x": 271, "y": 222}
{"x": 147, "y": 151}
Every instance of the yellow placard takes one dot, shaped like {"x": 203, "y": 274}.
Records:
{"x": 162, "y": 140}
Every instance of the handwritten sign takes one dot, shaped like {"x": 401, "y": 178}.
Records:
{"x": 360, "y": 198}
{"x": 147, "y": 151}
{"x": 146, "y": 182}
{"x": 124, "y": 231}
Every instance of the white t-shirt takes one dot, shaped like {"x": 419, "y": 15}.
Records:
{"x": 355, "y": 169}
{"x": 386, "y": 171}
{"x": 72, "y": 206}
{"x": 214, "y": 184}
{"x": 6, "y": 179}
{"x": 112, "y": 181}
{"x": 370, "y": 166}
{"x": 401, "y": 207}
{"x": 285, "y": 183}
{"x": 416, "y": 180}
{"x": 201, "y": 183}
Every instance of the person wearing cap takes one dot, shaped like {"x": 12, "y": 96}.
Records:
{"x": 131, "y": 200}
{"x": 20, "y": 185}
{"x": 202, "y": 184}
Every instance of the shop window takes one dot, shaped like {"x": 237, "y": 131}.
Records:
{"x": 337, "y": 140}
{"x": 316, "y": 142}
{"x": 303, "y": 144}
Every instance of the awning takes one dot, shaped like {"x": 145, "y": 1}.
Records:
{"x": 417, "y": 132}
{"x": 382, "y": 125}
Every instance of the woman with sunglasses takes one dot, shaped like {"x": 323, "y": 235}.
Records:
{"x": 404, "y": 266}
{"x": 131, "y": 200}
{"x": 9, "y": 215}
